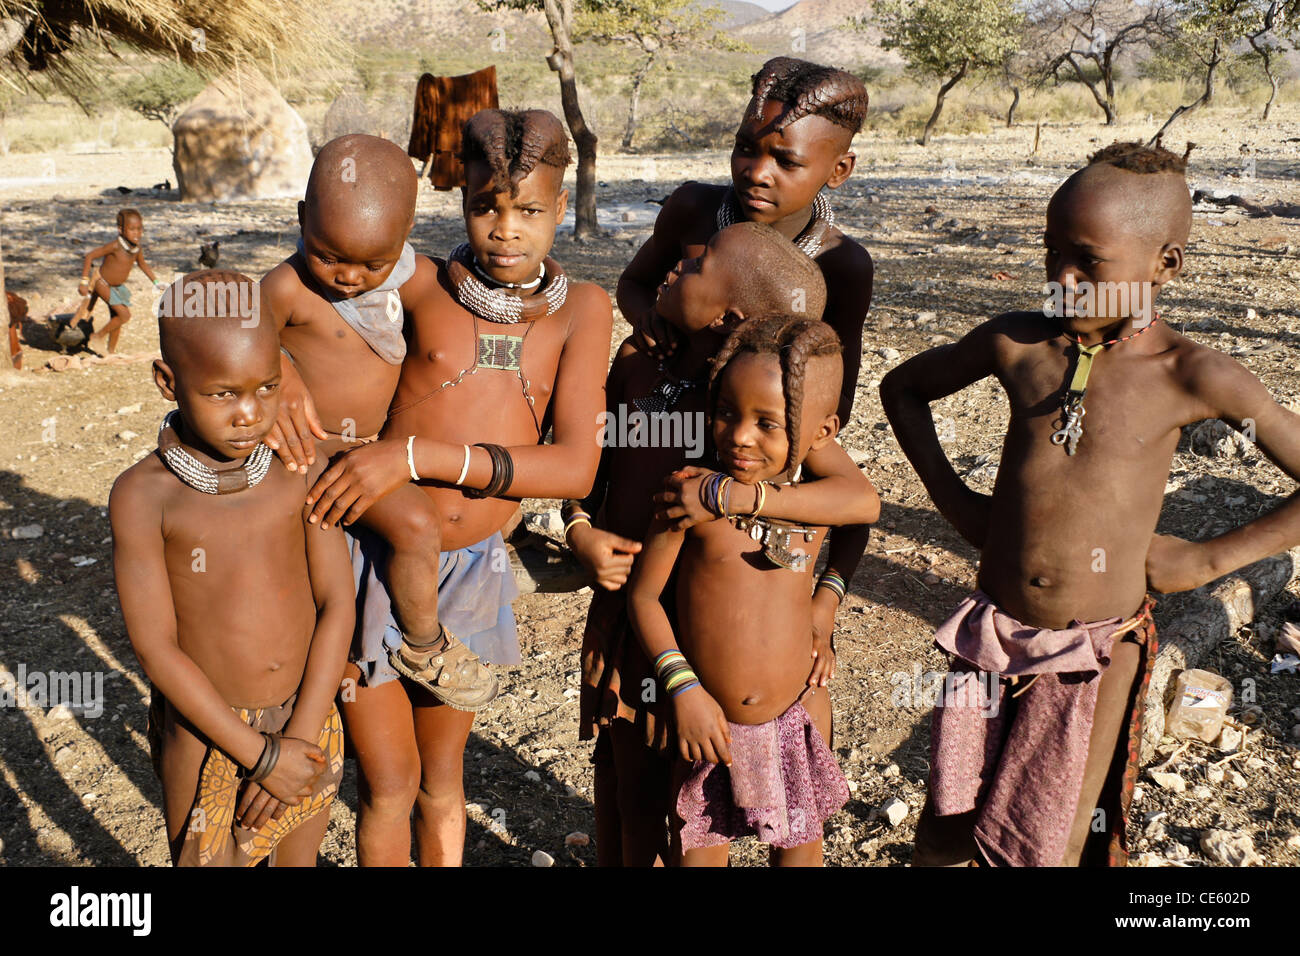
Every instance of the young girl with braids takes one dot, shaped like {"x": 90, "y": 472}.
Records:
{"x": 745, "y": 270}
{"x": 501, "y": 349}
{"x": 752, "y": 732}
{"x": 793, "y": 142}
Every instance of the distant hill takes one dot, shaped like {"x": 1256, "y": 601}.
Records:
{"x": 738, "y": 12}
{"x": 818, "y": 26}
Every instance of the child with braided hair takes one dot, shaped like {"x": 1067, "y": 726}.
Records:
{"x": 746, "y": 270}
{"x": 752, "y": 732}
{"x": 794, "y": 140}
{"x": 501, "y": 349}
{"x": 1035, "y": 748}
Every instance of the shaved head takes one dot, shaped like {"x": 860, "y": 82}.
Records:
{"x": 212, "y": 317}
{"x": 1155, "y": 206}
{"x": 768, "y": 273}
{"x": 365, "y": 181}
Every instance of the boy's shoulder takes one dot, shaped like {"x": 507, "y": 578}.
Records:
{"x": 142, "y": 486}
{"x": 845, "y": 258}
{"x": 690, "y": 202}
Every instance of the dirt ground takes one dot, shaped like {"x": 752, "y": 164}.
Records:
{"x": 76, "y": 788}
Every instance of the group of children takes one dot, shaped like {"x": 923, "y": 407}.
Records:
{"x": 356, "y": 584}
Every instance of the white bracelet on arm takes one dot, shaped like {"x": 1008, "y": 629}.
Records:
{"x": 410, "y": 457}
{"x": 464, "y": 469}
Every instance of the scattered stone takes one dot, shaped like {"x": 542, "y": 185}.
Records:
{"x": 542, "y": 858}
{"x": 1138, "y": 794}
{"x": 577, "y": 838}
{"x": 894, "y": 810}
{"x": 1254, "y": 763}
{"x": 83, "y": 561}
{"x": 889, "y": 354}
{"x": 127, "y": 435}
{"x": 1169, "y": 781}
{"x": 1293, "y": 841}
{"x": 1295, "y": 732}
{"x": 1252, "y": 714}
{"x": 1216, "y": 439}
{"x": 1214, "y": 774}
{"x": 927, "y": 317}
{"x": 62, "y": 754}
{"x": 89, "y": 797}
{"x": 59, "y": 712}
{"x": 1177, "y": 851}
{"x": 533, "y": 776}
{"x": 128, "y": 409}
{"x": 1229, "y": 740}
{"x": 27, "y": 531}
{"x": 891, "y": 771}
{"x": 853, "y": 786}
{"x": 1202, "y": 792}
{"x": 1251, "y": 315}
{"x": 1238, "y": 780}
{"x": 1228, "y": 849}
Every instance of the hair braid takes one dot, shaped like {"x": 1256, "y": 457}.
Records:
{"x": 512, "y": 143}
{"x": 809, "y": 89}
{"x": 794, "y": 340}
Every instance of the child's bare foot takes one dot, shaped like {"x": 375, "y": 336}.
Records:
{"x": 449, "y": 670}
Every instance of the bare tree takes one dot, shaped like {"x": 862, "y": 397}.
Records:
{"x": 1207, "y": 30}
{"x": 1097, "y": 32}
{"x": 559, "y": 17}
{"x": 1264, "y": 41}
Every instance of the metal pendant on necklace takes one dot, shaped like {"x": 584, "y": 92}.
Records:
{"x": 776, "y": 540}
{"x": 1072, "y": 412}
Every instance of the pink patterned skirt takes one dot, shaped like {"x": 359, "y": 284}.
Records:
{"x": 782, "y": 785}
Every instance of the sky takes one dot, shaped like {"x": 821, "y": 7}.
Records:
{"x": 774, "y": 5}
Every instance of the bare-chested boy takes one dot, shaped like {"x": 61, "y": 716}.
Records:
{"x": 746, "y": 269}
{"x": 502, "y": 349}
{"x": 340, "y": 303}
{"x": 793, "y": 141}
{"x": 119, "y": 256}
{"x": 239, "y": 611}
{"x": 744, "y": 609}
{"x": 1099, "y": 390}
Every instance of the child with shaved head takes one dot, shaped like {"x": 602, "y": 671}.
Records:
{"x": 502, "y": 349}
{"x": 793, "y": 142}
{"x": 746, "y": 270}
{"x": 1034, "y": 765}
{"x": 238, "y": 609}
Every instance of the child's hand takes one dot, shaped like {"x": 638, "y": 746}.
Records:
{"x": 823, "y": 644}
{"x": 656, "y": 337}
{"x": 296, "y": 425}
{"x": 1176, "y": 565}
{"x": 702, "y": 731}
{"x": 357, "y": 480}
{"x": 296, "y": 772}
{"x": 679, "y": 503}
{"x": 256, "y": 807}
{"x": 606, "y": 555}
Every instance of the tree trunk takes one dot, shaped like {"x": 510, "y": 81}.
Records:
{"x": 559, "y": 14}
{"x": 1011, "y": 110}
{"x": 1107, "y": 109}
{"x": 637, "y": 79}
{"x": 11, "y": 345}
{"x": 1108, "y": 77}
{"x": 1266, "y": 56}
{"x": 938, "y": 103}
{"x": 1216, "y": 57}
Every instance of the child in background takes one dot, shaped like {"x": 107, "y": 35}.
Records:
{"x": 752, "y": 732}
{"x": 119, "y": 256}
{"x": 793, "y": 141}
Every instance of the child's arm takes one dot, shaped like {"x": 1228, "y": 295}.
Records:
{"x": 565, "y": 468}
{"x": 638, "y": 286}
{"x": 144, "y": 592}
{"x": 702, "y": 731}
{"x": 88, "y": 263}
{"x": 849, "y": 272}
{"x": 842, "y": 495}
{"x": 145, "y": 267}
{"x": 1231, "y": 393}
{"x": 333, "y": 590}
{"x": 296, "y": 425}
{"x": 906, "y": 393}
{"x": 606, "y": 555}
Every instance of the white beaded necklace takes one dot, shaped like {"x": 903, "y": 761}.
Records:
{"x": 810, "y": 243}
{"x": 497, "y": 305}
{"x": 130, "y": 247}
{"x": 208, "y": 480}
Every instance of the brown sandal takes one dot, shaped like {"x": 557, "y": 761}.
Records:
{"x": 454, "y": 675}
